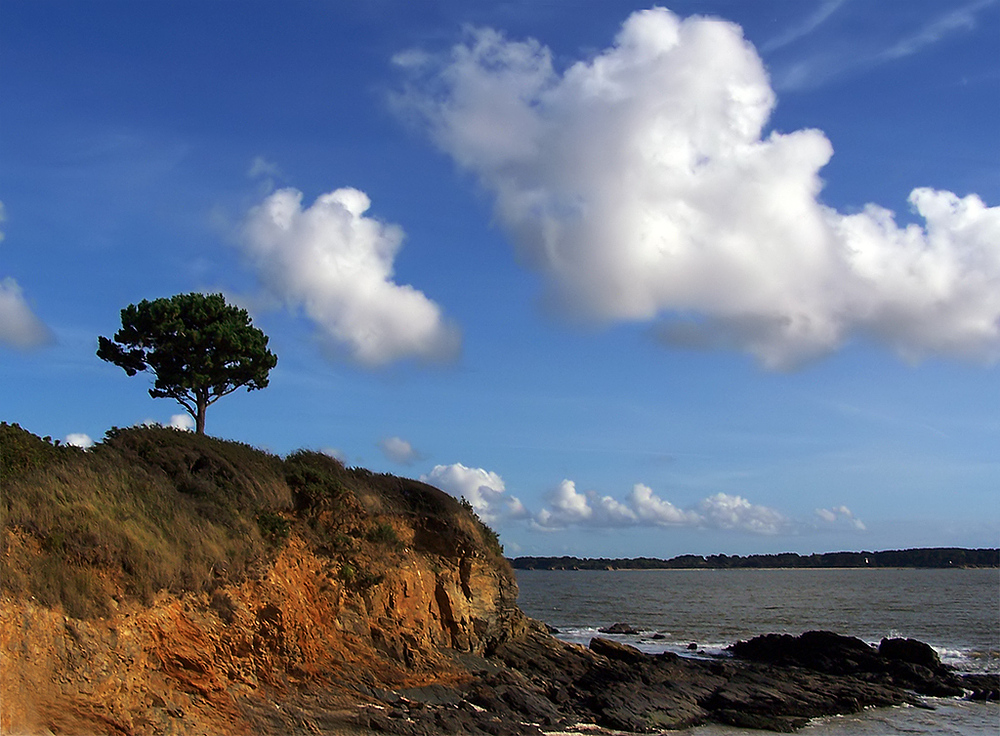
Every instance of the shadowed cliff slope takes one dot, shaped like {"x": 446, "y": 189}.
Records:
{"x": 164, "y": 582}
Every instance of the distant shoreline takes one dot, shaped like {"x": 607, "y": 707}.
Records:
{"x": 762, "y": 569}
{"x": 917, "y": 558}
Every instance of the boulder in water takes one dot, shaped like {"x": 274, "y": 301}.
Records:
{"x": 618, "y": 628}
{"x": 910, "y": 650}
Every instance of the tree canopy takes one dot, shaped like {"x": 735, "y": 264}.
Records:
{"x": 198, "y": 347}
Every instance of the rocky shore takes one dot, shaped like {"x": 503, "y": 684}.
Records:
{"x": 537, "y": 684}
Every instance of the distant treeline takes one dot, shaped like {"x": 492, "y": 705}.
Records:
{"x": 933, "y": 557}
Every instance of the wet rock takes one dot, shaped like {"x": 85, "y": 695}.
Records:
{"x": 618, "y": 628}
{"x": 615, "y": 650}
{"x": 982, "y": 687}
{"x": 539, "y": 683}
{"x": 823, "y": 651}
{"x": 760, "y": 721}
{"x": 835, "y": 654}
{"x": 910, "y": 650}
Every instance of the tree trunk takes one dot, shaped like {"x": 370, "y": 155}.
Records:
{"x": 199, "y": 420}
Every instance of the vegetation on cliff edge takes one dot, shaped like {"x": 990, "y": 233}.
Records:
{"x": 154, "y": 508}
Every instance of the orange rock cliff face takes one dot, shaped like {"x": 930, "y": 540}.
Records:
{"x": 330, "y": 614}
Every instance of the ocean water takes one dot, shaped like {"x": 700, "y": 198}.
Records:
{"x": 955, "y": 611}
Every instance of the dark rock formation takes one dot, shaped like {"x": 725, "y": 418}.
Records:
{"x": 773, "y": 682}
{"x": 618, "y": 628}
{"x": 910, "y": 650}
{"x": 905, "y": 663}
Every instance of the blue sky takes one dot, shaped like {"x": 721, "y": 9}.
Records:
{"x": 709, "y": 277}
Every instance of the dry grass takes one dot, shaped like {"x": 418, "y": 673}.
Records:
{"x": 153, "y": 508}
{"x": 147, "y": 509}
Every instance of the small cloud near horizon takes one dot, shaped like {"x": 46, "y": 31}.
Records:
{"x": 79, "y": 439}
{"x": 841, "y": 516}
{"x": 483, "y": 489}
{"x": 399, "y": 450}
{"x": 335, "y": 453}
{"x": 184, "y": 422}
{"x": 568, "y": 507}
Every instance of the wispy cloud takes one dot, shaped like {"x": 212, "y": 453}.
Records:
{"x": 260, "y": 166}
{"x": 266, "y": 173}
{"x": 937, "y": 30}
{"x": 399, "y": 450}
{"x": 840, "y": 516}
{"x": 810, "y": 24}
{"x": 819, "y": 64}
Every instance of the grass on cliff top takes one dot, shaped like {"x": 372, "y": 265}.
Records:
{"x": 153, "y": 508}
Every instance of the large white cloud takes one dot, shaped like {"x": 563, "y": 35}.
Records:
{"x": 641, "y": 183}
{"x": 484, "y": 489}
{"x": 336, "y": 264}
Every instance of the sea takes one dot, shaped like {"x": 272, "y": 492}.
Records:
{"x": 956, "y": 611}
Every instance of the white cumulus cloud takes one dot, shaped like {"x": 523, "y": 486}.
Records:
{"x": 724, "y": 511}
{"x": 484, "y": 489}
{"x": 641, "y": 183}
{"x": 568, "y": 507}
{"x": 335, "y": 264}
{"x": 651, "y": 508}
{"x": 642, "y": 507}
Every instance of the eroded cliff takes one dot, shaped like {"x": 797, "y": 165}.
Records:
{"x": 346, "y": 583}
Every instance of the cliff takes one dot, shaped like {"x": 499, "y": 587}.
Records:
{"x": 168, "y": 583}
